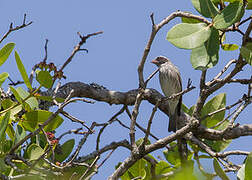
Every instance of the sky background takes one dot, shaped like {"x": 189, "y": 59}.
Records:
{"x": 112, "y": 59}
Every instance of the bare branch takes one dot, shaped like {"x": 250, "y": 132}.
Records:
{"x": 149, "y": 78}
{"x": 45, "y": 58}
{"x": 231, "y": 133}
{"x": 90, "y": 167}
{"x": 203, "y": 146}
{"x": 134, "y": 116}
{"x": 149, "y": 124}
{"x": 81, "y": 143}
{"x": 11, "y": 29}
{"x": 155, "y": 29}
{"x": 241, "y": 81}
{"x": 225, "y": 108}
{"x": 78, "y": 48}
{"x": 144, "y": 130}
{"x": 221, "y": 72}
{"x": 112, "y": 119}
{"x": 111, "y": 146}
{"x": 228, "y": 153}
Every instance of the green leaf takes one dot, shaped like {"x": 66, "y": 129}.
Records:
{"x": 138, "y": 169}
{"x": 203, "y": 156}
{"x": 17, "y": 96}
{"x": 3, "y": 125}
{"x": 33, "y": 118}
{"x": 230, "y": 15}
{"x": 172, "y": 156}
{"x": 3, "y": 166}
{"x": 191, "y": 110}
{"x": 186, "y": 172}
{"x": 248, "y": 167}
{"x": 246, "y": 52}
{"x": 162, "y": 167}
{"x": 221, "y": 145}
{"x": 3, "y": 77}
{"x": 125, "y": 176}
{"x": 45, "y": 79}
{"x": 6, "y": 103}
{"x": 10, "y": 131}
{"x": 5, "y": 146}
{"x": 188, "y": 36}
{"x": 212, "y": 105}
{"x": 207, "y": 55}
{"x": 140, "y": 141}
{"x": 184, "y": 108}
{"x": 229, "y": 47}
{"x": 49, "y": 98}
{"x": 34, "y": 151}
{"x": 249, "y": 5}
{"x": 189, "y": 20}
{"x": 5, "y": 52}
{"x": 241, "y": 173}
{"x": 22, "y": 71}
{"x": 32, "y": 101}
{"x": 232, "y": 1}
{"x": 219, "y": 170}
{"x": 206, "y": 8}
{"x": 19, "y": 134}
{"x": 66, "y": 148}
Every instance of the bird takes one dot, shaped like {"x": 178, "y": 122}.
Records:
{"x": 170, "y": 82}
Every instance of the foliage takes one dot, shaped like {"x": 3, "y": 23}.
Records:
{"x": 23, "y": 120}
{"x": 203, "y": 39}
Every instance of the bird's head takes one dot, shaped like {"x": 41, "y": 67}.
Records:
{"x": 160, "y": 60}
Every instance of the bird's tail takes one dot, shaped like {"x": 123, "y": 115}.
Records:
{"x": 172, "y": 122}
{"x": 174, "y": 118}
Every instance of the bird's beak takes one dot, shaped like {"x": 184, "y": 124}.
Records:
{"x": 154, "y": 61}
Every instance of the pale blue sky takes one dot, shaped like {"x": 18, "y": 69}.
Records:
{"x": 113, "y": 56}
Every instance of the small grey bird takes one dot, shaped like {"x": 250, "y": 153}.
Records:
{"x": 170, "y": 82}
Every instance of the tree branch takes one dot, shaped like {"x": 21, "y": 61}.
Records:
{"x": 11, "y": 29}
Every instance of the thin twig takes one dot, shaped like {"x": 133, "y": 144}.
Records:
{"x": 188, "y": 89}
{"x": 228, "y": 153}
{"x": 45, "y": 58}
{"x": 225, "y": 108}
{"x": 149, "y": 78}
{"x": 141, "y": 128}
{"x": 81, "y": 143}
{"x": 111, "y": 146}
{"x": 78, "y": 48}
{"x": 55, "y": 92}
{"x": 113, "y": 118}
{"x": 202, "y": 145}
{"x": 134, "y": 117}
{"x": 241, "y": 81}
{"x": 75, "y": 131}
{"x": 11, "y": 29}
{"x": 74, "y": 119}
{"x": 245, "y": 20}
{"x": 149, "y": 124}
{"x": 221, "y": 72}
{"x": 104, "y": 160}
{"x": 15, "y": 83}
{"x": 90, "y": 167}
{"x": 225, "y": 119}
{"x": 49, "y": 143}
